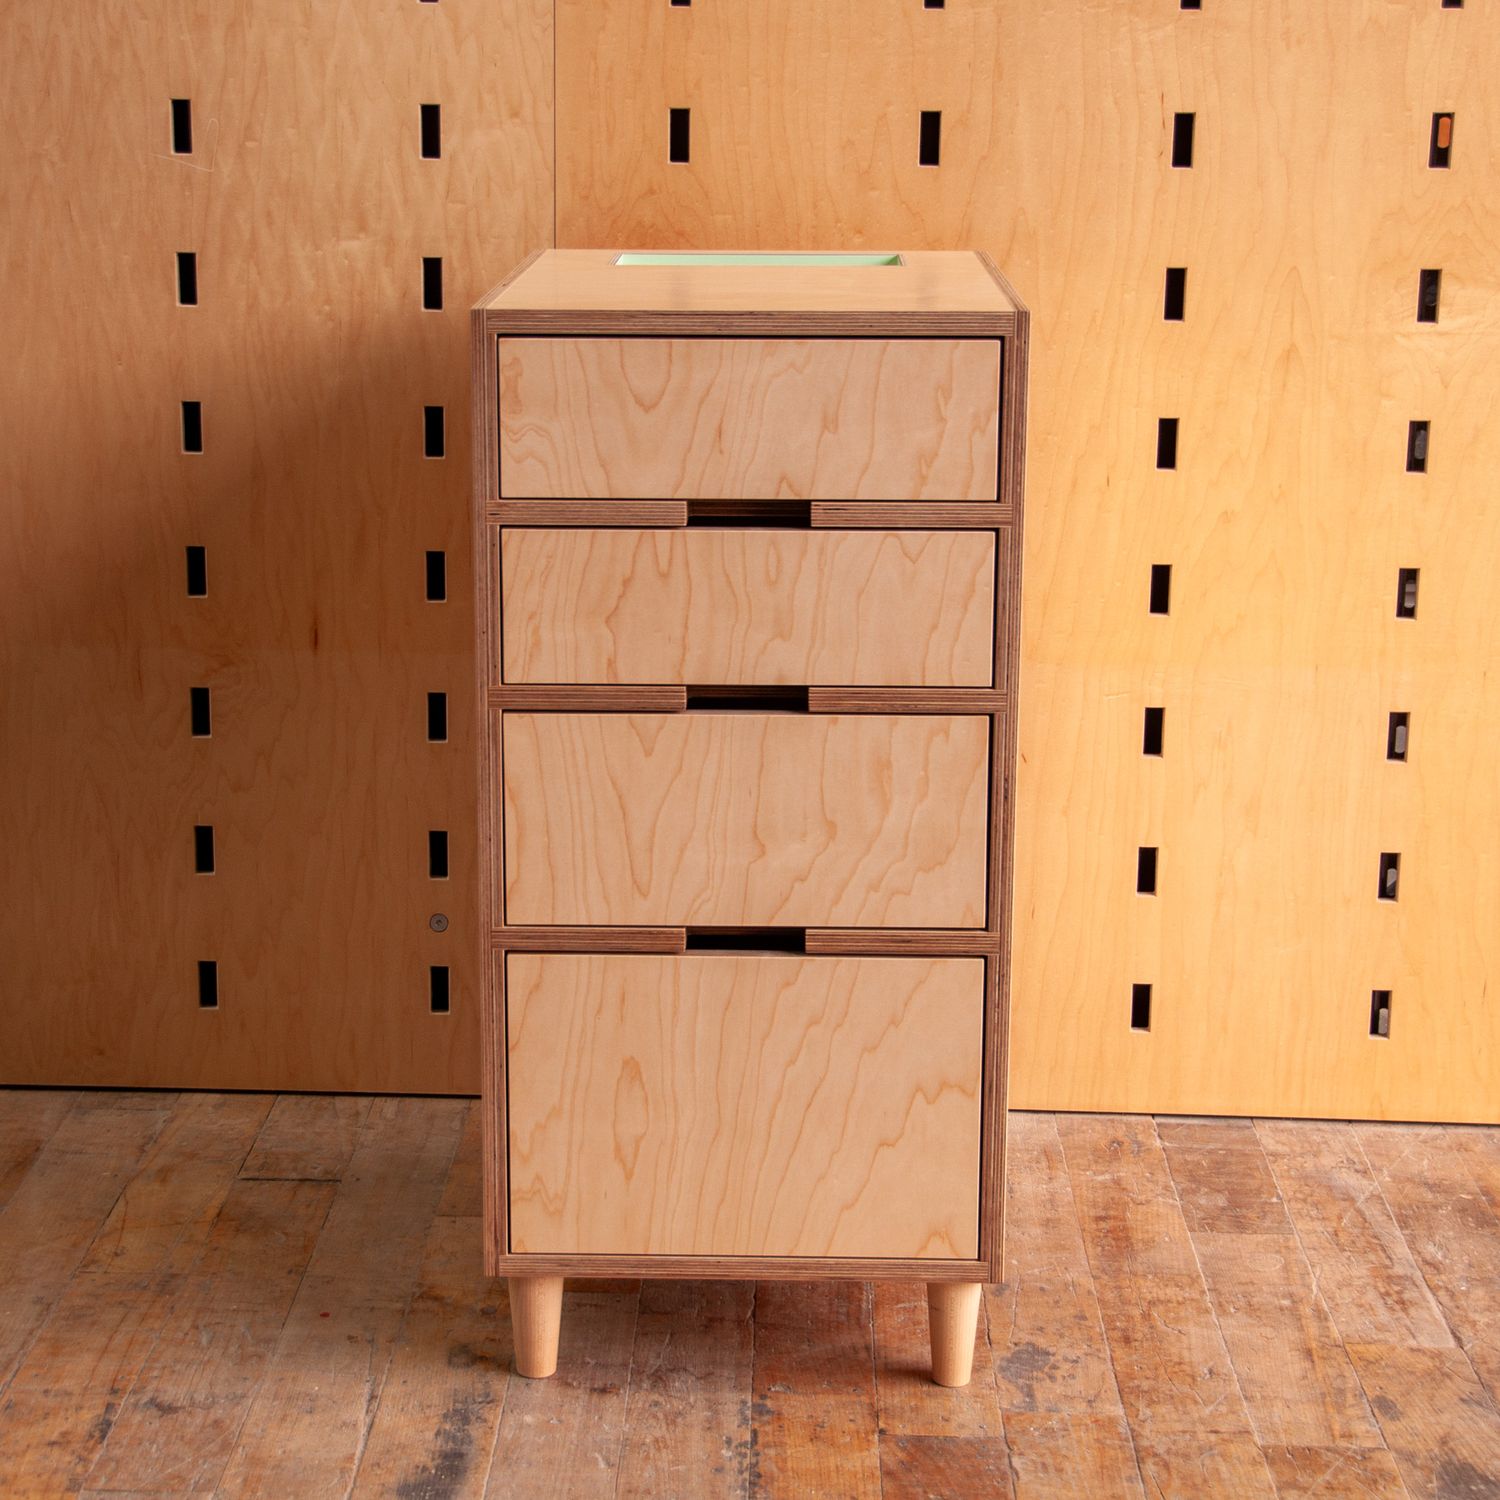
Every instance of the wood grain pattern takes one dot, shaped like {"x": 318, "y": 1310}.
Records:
{"x": 630, "y": 1135}
{"x": 177, "y": 1427}
{"x": 89, "y": 1352}
{"x": 724, "y": 1387}
{"x": 568, "y": 512}
{"x": 1291, "y": 379}
{"x": 57, "y": 1209}
{"x": 445, "y": 1393}
{"x": 687, "y": 1421}
{"x": 309, "y": 208}
{"x": 745, "y": 819}
{"x": 306, "y": 1434}
{"x": 724, "y": 605}
{"x": 754, "y": 419}
{"x": 814, "y": 1390}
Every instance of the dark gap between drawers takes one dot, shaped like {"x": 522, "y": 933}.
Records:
{"x": 745, "y": 940}
{"x": 768, "y": 699}
{"x": 779, "y": 513}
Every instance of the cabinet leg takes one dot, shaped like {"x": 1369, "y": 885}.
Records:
{"x": 952, "y": 1322}
{"x": 536, "y": 1321}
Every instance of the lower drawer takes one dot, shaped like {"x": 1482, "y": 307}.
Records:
{"x": 744, "y": 1104}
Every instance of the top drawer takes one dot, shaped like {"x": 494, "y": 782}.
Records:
{"x": 749, "y": 419}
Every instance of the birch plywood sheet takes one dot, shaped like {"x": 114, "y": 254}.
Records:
{"x": 744, "y": 819}
{"x": 309, "y": 208}
{"x": 642, "y": 1087}
{"x": 756, "y": 419}
{"x": 1302, "y": 226}
{"x": 725, "y": 605}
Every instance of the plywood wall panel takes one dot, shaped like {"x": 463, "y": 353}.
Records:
{"x": 310, "y": 208}
{"x": 1303, "y": 223}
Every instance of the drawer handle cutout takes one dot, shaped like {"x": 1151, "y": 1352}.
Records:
{"x": 745, "y": 940}
{"x": 792, "y": 700}
{"x": 780, "y": 513}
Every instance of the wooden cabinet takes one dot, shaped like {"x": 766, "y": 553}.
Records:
{"x": 747, "y": 542}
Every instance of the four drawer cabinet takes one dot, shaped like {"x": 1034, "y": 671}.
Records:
{"x": 747, "y": 569}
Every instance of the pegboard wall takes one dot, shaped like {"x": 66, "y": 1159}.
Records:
{"x": 1257, "y": 866}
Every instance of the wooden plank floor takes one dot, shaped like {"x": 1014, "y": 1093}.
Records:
{"x": 247, "y": 1295}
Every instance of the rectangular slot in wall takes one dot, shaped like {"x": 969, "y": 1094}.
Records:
{"x": 1153, "y": 731}
{"x": 1166, "y": 442}
{"x": 434, "y": 432}
{"x": 432, "y": 131}
{"x": 203, "y": 849}
{"x": 1440, "y": 149}
{"x": 182, "y": 127}
{"x": 1182, "y": 140}
{"x": 932, "y": 4}
{"x": 208, "y": 984}
{"x": 1417, "y": 434}
{"x": 200, "y": 713}
{"x": 437, "y": 577}
{"x": 1161, "y": 588}
{"x": 1406, "y": 593}
{"x": 192, "y": 427}
{"x": 197, "y": 572}
{"x": 1429, "y": 290}
{"x": 1192, "y": 4}
{"x": 439, "y": 992}
{"x": 930, "y": 138}
{"x": 1145, "y": 870}
{"x": 1140, "y": 1007}
{"x": 1397, "y": 732}
{"x": 1390, "y": 877}
{"x": 187, "y": 278}
{"x": 437, "y": 853}
{"x": 1380, "y": 1013}
{"x": 432, "y": 283}
{"x": 1174, "y": 299}
{"x": 679, "y": 135}
{"x": 437, "y": 717}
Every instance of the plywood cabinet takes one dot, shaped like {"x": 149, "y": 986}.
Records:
{"x": 747, "y": 544}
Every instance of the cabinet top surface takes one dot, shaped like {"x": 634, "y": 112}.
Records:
{"x": 906, "y": 282}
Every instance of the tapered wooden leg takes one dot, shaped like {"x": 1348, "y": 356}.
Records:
{"x": 536, "y": 1321}
{"x": 952, "y": 1322}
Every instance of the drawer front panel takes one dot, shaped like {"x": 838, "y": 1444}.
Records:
{"x": 727, "y": 606}
{"x": 752, "y": 419}
{"x": 745, "y": 819}
{"x": 744, "y": 1105}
